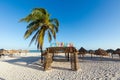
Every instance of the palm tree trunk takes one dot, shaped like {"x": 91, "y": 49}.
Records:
{"x": 41, "y": 54}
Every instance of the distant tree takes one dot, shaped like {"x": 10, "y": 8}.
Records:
{"x": 39, "y": 24}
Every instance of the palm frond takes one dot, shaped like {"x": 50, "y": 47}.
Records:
{"x": 34, "y": 38}
{"x": 49, "y": 36}
{"x": 52, "y": 26}
{"x": 41, "y": 36}
{"x": 53, "y": 33}
{"x": 38, "y": 10}
{"x": 31, "y": 30}
{"x": 40, "y": 13}
{"x": 27, "y": 19}
{"x": 38, "y": 46}
{"x": 55, "y": 22}
{"x": 33, "y": 23}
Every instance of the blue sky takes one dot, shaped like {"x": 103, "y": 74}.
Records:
{"x": 91, "y": 24}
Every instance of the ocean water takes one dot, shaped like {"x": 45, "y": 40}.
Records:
{"x": 34, "y": 51}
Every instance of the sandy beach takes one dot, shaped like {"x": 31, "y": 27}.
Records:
{"x": 28, "y": 67}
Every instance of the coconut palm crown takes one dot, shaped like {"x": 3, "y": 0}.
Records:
{"x": 39, "y": 24}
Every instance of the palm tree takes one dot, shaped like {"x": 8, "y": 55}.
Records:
{"x": 39, "y": 24}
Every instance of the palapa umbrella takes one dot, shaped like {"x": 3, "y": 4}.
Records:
{"x": 82, "y": 51}
{"x": 2, "y": 52}
{"x": 101, "y": 52}
{"x": 117, "y": 51}
{"x": 109, "y": 50}
{"x": 91, "y": 52}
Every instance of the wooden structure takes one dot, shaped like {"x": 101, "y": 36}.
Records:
{"x": 49, "y": 53}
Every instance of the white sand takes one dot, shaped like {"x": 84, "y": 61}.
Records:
{"x": 27, "y": 67}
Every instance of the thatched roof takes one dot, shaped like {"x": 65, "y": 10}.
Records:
{"x": 117, "y": 51}
{"x": 2, "y": 51}
{"x": 91, "y": 51}
{"x": 109, "y": 50}
{"x": 101, "y": 52}
{"x": 82, "y": 50}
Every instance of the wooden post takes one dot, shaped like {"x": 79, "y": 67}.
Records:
{"x": 112, "y": 55}
{"x": 76, "y": 66}
{"x": 74, "y": 61}
{"x": 48, "y": 61}
{"x": 68, "y": 57}
{"x": 91, "y": 55}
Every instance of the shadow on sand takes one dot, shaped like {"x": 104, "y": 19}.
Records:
{"x": 34, "y": 62}
{"x": 30, "y": 62}
{"x": 1, "y": 78}
{"x": 98, "y": 58}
